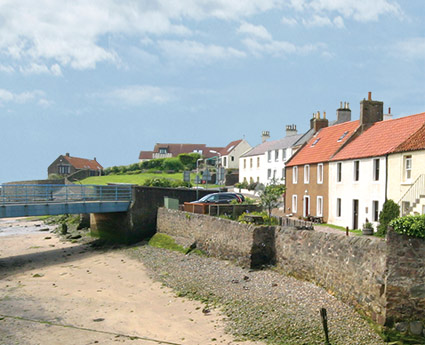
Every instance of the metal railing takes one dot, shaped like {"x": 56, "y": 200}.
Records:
{"x": 414, "y": 192}
{"x": 33, "y": 194}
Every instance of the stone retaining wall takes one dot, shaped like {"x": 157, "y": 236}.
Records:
{"x": 247, "y": 245}
{"x": 385, "y": 278}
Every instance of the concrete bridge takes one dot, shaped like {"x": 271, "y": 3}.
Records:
{"x": 38, "y": 200}
{"x": 120, "y": 213}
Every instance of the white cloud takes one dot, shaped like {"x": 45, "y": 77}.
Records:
{"x": 7, "y": 96}
{"x": 257, "y": 31}
{"x": 6, "y": 69}
{"x": 413, "y": 48}
{"x": 136, "y": 95}
{"x": 317, "y": 21}
{"x": 360, "y": 10}
{"x": 279, "y": 48}
{"x": 196, "y": 51}
{"x": 289, "y": 21}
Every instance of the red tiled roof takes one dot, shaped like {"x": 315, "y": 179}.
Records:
{"x": 145, "y": 154}
{"x": 229, "y": 147}
{"x": 82, "y": 163}
{"x": 383, "y": 137}
{"x": 415, "y": 142}
{"x": 324, "y": 144}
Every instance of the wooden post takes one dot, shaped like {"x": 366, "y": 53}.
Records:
{"x": 324, "y": 317}
{"x": 346, "y": 231}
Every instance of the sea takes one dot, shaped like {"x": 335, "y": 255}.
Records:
{"x": 20, "y": 226}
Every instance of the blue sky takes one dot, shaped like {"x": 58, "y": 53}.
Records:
{"x": 106, "y": 78}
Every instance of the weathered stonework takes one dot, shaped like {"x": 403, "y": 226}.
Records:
{"x": 247, "y": 245}
{"x": 385, "y": 278}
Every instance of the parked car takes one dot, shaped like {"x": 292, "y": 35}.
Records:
{"x": 219, "y": 198}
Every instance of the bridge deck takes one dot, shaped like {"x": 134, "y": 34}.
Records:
{"x": 36, "y": 200}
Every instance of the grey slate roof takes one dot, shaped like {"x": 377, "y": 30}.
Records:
{"x": 283, "y": 143}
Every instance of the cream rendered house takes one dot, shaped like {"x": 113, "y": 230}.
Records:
{"x": 231, "y": 153}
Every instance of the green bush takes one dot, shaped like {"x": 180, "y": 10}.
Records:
{"x": 189, "y": 160}
{"x": 410, "y": 225}
{"x": 390, "y": 211}
{"x": 172, "y": 164}
{"x": 267, "y": 220}
{"x": 165, "y": 182}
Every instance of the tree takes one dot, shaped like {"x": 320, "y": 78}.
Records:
{"x": 269, "y": 197}
{"x": 189, "y": 159}
{"x": 390, "y": 211}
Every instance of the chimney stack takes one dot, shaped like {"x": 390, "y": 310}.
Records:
{"x": 95, "y": 159}
{"x": 291, "y": 130}
{"x": 343, "y": 113}
{"x": 371, "y": 111}
{"x": 265, "y": 135}
{"x": 67, "y": 154}
{"x": 318, "y": 123}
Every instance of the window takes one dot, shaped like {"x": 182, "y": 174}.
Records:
{"x": 338, "y": 172}
{"x": 269, "y": 156}
{"x": 258, "y": 162}
{"x": 283, "y": 155}
{"x": 63, "y": 169}
{"x": 376, "y": 169}
{"x": 244, "y": 163}
{"x": 320, "y": 173}
{"x": 283, "y": 173}
{"x": 306, "y": 173}
{"x": 276, "y": 155}
{"x": 294, "y": 203}
{"x": 269, "y": 173}
{"x": 295, "y": 175}
{"x": 233, "y": 158}
{"x": 250, "y": 162}
{"x": 163, "y": 150}
{"x": 315, "y": 142}
{"x": 342, "y": 136}
{"x": 375, "y": 210}
{"x": 356, "y": 170}
{"x": 319, "y": 206}
{"x": 274, "y": 173}
{"x": 338, "y": 207}
{"x": 407, "y": 168}
{"x": 225, "y": 161}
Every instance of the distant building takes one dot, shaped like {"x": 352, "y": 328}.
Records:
{"x": 66, "y": 165}
{"x": 231, "y": 153}
{"x": 167, "y": 150}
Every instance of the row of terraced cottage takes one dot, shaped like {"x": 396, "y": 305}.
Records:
{"x": 343, "y": 172}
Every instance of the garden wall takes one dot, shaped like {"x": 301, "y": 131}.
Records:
{"x": 385, "y": 278}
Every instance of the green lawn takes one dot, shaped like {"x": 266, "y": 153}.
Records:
{"x": 138, "y": 179}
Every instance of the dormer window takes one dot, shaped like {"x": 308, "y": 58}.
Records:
{"x": 163, "y": 150}
{"x": 342, "y": 136}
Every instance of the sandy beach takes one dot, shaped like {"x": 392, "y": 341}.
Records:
{"x": 54, "y": 292}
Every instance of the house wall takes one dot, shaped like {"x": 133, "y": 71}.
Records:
{"x": 313, "y": 189}
{"x": 366, "y": 190}
{"x": 238, "y": 151}
{"x": 255, "y": 173}
{"x": 396, "y": 184}
{"x": 277, "y": 166}
{"x": 53, "y": 168}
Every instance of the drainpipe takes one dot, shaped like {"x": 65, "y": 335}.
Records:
{"x": 386, "y": 176}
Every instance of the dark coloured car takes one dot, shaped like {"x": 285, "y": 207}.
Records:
{"x": 220, "y": 198}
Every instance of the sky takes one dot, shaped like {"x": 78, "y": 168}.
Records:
{"x": 109, "y": 78}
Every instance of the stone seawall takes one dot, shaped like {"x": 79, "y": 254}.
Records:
{"x": 385, "y": 278}
{"x": 247, "y": 245}
{"x": 353, "y": 268}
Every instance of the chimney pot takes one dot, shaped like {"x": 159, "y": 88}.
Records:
{"x": 369, "y": 96}
{"x": 348, "y": 105}
{"x": 324, "y": 114}
{"x": 340, "y": 105}
{"x": 389, "y": 110}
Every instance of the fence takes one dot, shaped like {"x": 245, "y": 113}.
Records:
{"x": 32, "y": 194}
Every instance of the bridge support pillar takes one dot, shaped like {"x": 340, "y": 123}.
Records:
{"x": 112, "y": 227}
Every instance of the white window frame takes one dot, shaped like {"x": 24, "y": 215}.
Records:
{"x": 319, "y": 206}
{"x": 295, "y": 175}
{"x": 339, "y": 172}
{"x": 320, "y": 173}
{"x": 294, "y": 203}
{"x": 269, "y": 174}
{"x": 376, "y": 169}
{"x": 375, "y": 210}
{"x": 283, "y": 155}
{"x": 356, "y": 171}
{"x": 269, "y": 156}
{"x": 338, "y": 207}
{"x": 306, "y": 173}
{"x": 407, "y": 170}
{"x": 276, "y": 155}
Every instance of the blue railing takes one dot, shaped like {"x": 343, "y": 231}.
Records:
{"x": 33, "y": 194}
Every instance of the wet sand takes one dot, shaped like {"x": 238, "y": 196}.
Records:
{"x": 54, "y": 292}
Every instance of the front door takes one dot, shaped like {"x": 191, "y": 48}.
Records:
{"x": 355, "y": 214}
{"x": 306, "y": 207}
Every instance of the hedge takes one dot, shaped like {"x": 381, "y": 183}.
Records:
{"x": 410, "y": 225}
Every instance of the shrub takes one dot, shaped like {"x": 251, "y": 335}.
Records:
{"x": 410, "y": 225}
{"x": 189, "y": 160}
{"x": 252, "y": 186}
{"x": 248, "y": 201}
{"x": 390, "y": 211}
{"x": 165, "y": 182}
{"x": 172, "y": 164}
{"x": 266, "y": 218}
